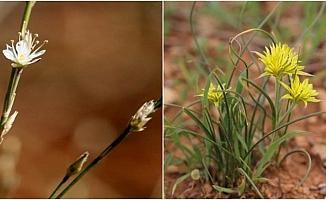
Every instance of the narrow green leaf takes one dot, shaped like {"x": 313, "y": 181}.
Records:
{"x": 306, "y": 154}
{"x": 282, "y": 126}
{"x": 272, "y": 148}
{"x": 178, "y": 181}
{"x": 239, "y": 85}
{"x": 251, "y": 182}
{"x": 199, "y": 123}
{"x": 223, "y": 189}
{"x": 268, "y": 99}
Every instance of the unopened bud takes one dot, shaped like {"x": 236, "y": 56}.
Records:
{"x": 8, "y": 124}
{"x": 76, "y": 167}
{"x": 141, "y": 117}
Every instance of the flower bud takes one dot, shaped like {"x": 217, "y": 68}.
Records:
{"x": 141, "y": 117}
{"x": 76, "y": 167}
{"x": 8, "y": 124}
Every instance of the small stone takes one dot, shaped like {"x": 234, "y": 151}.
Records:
{"x": 323, "y": 191}
{"x": 207, "y": 188}
{"x": 313, "y": 120}
{"x": 301, "y": 141}
{"x": 321, "y": 186}
{"x": 172, "y": 169}
{"x": 319, "y": 149}
{"x": 286, "y": 188}
{"x": 195, "y": 174}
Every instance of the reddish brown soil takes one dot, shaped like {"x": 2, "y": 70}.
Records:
{"x": 283, "y": 181}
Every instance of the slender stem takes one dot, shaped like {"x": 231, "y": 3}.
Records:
{"x": 277, "y": 99}
{"x": 307, "y": 155}
{"x": 194, "y": 36}
{"x": 26, "y": 15}
{"x": 158, "y": 103}
{"x": 282, "y": 126}
{"x": 277, "y": 105}
{"x": 102, "y": 155}
{"x": 63, "y": 181}
{"x": 249, "y": 40}
{"x": 288, "y": 112}
{"x": 7, "y": 100}
{"x": 15, "y": 72}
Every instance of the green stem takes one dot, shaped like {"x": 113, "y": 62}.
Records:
{"x": 277, "y": 106}
{"x": 282, "y": 126}
{"x": 63, "y": 181}
{"x": 15, "y": 72}
{"x": 26, "y": 16}
{"x": 307, "y": 155}
{"x": 194, "y": 36}
{"x": 277, "y": 99}
{"x": 287, "y": 113}
{"x": 9, "y": 97}
{"x": 102, "y": 155}
{"x": 249, "y": 40}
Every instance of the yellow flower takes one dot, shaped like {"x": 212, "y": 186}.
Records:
{"x": 280, "y": 60}
{"x": 300, "y": 91}
{"x": 215, "y": 94}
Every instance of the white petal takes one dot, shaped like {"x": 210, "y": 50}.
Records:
{"x": 33, "y": 61}
{"x": 37, "y": 54}
{"x": 8, "y": 54}
{"x": 22, "y": 48}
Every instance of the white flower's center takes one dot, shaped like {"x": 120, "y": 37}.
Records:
{"x": 21, "y": 58}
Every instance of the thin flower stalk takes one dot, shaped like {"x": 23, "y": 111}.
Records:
{"x": 14, "y": 77}
{"x": 73, "y": 169}
{"x": 143, "y": 113}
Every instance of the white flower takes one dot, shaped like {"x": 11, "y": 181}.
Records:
{"x": 24, "y": 52}
{"x": 141, "y": 117}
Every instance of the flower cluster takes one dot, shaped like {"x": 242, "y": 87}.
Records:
{"x": 24, "y": 52}
{"x": 280, "y": 60}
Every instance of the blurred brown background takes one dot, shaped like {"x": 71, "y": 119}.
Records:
{"x": 103, "y": 61}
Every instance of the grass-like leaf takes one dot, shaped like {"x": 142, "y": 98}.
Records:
{"x": 178, "y": 181}
{"x": 224, "y": 189}
{"x": 272, "y": 148}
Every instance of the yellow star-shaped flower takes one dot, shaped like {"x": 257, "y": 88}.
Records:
{"x": 279, "y": 60}
{"x": 300, "y": 91}
{"x": 215, "y": 94}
